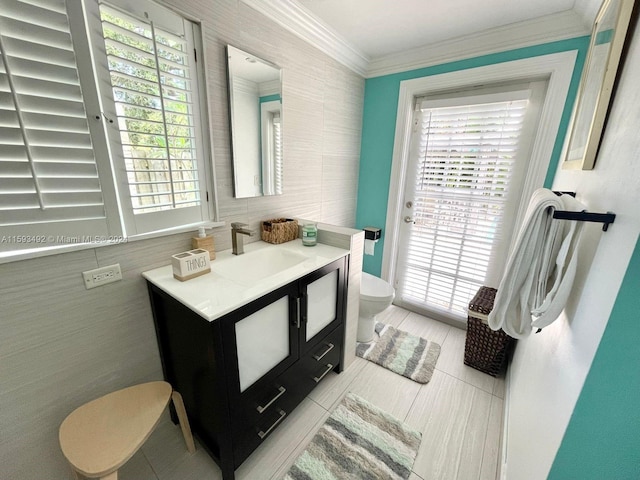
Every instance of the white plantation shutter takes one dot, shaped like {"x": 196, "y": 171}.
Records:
{"x": 466, "y": 162}
{"x": 150, "y": 59}
{"x": 271, "y": 147}
{"x": 277, "y": 155}
{"x": 61, "y": 180}
{"x": 48, "y": 172}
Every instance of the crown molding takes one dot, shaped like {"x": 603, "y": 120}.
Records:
{"x": 298, "y": 20}
{"x": 540, "y": 30}
{"x": 588, "y": 10}
{"x": 303, "y": 24}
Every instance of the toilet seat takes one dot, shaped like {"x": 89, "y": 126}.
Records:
{"x": 374, "y": 289}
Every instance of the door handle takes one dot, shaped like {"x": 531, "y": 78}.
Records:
{"x": 296, "y": 321}
{"x": 302, "y": 318}
{"x": 408, "y": 219}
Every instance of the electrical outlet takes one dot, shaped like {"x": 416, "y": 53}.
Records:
{"x": 102, "y": 276}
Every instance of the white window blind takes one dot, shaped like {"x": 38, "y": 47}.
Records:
{"x": 48, "y": 172}
{"x": 466, "y": 160}
{"x": 150, "y": 57}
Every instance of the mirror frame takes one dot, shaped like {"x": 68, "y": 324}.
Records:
{"x": 596, "y": 86}
{"x": 235, "y": 127}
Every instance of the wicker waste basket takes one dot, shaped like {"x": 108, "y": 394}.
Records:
{"x": 485, "y": 349}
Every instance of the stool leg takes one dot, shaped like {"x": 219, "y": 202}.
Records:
{"x": 111, "y": 476}
{"x": 184, "y": 421}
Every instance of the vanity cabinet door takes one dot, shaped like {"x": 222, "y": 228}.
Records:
{"x": 321, "y": 303}
{"x": 259, "y": 341}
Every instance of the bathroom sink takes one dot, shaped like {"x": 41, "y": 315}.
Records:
{"x": 257, "y": 265}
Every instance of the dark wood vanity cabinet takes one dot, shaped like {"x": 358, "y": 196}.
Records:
{"x": 241, "y": 375}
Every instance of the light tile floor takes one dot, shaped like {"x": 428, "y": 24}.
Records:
{"x": 459, "y": 413}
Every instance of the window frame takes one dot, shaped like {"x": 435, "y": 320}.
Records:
{"x": 147, "y": 223}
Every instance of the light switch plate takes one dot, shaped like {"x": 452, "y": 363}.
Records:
{"x": 102, "y": 276}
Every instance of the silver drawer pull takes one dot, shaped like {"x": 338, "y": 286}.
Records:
{"x": 262, "y": 434}
{"x": 330, "y": 347}
{"x": 317, "y": 379}
{"x": 281, "y": 391}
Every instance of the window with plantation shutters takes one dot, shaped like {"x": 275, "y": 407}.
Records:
{"x": 271, "y": 140}
{"x": 277, "y": 146}
{"x": 468, "y": 166}
{"x": 49, "y": 182}
{"x": 103, "y": 127}
{"x": 152, "y": 71}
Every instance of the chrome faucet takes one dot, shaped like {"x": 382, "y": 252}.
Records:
{"x": 237, "y": 230}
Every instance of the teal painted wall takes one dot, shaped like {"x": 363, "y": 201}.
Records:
{"x": 271, "y": 98}
{"x": 379, "y": 124}
{"x": 601, "y": 440}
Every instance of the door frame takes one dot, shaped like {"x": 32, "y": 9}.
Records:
{"x": 557, "y": 68}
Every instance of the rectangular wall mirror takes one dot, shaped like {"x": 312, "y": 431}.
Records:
{"x": 255, "y": 109}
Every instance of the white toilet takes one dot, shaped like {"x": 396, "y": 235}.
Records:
{"x": 375, "y": 296}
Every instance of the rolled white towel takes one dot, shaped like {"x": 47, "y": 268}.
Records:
{"x": 535, "y": 245}
{"x": 554, "y": 300}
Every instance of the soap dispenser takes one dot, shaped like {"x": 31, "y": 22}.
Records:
{"x": 205, "y": 242}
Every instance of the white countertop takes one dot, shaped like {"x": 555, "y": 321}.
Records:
{"x": 213, "y": 295}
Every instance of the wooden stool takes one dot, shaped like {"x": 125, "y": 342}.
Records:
{"x": 100, "y": 436}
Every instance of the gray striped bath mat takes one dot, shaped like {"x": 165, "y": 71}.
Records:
{"x": 402, "y": 353}
{"x": 358, "y": 441}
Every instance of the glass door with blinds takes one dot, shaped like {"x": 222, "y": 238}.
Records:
{"x": 468, "y": 160}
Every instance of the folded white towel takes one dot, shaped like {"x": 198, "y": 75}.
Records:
{"x": 538, "y": 249}
{"x": 554, "y": 301}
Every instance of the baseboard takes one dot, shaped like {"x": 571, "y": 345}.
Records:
{"x": 504, "y": 440}
{"x": 412, "y": 307}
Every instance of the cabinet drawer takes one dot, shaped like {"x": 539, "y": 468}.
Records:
{"x": 254, "y": 420}
{"x": 247, "y": 438}
{"x": 319, "y": 361}
{"x": 327, "y": 350}
{"x": 263, "y": 399}
{"x": 269, "y": 395}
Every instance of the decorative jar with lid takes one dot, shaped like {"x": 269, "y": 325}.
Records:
{"x": 309, "y": 234}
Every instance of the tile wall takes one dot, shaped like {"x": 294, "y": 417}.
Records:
{"x": 62, "y": 345}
